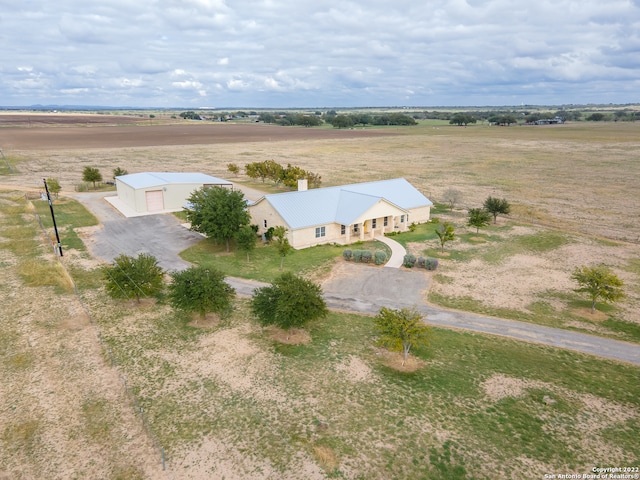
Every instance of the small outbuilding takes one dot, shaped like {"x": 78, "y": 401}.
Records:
{"x": 154, "y": 192}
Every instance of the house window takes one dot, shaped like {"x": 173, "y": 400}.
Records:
{"x": 265, "y": 224}
{"x": 386, "y": 221}
{"x": 401, "y": 218}
{"x": 320, "y": 232}
{"x": 374, "y": 223}
{"x": 343, "y": 229}
{"x": 356, "y": 228}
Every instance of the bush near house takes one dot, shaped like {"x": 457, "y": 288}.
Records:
{"x": 409, "y": 260}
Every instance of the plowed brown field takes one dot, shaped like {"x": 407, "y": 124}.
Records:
{"x": 100, "y": 131}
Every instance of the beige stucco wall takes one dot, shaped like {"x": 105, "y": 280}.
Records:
{"x": 420, "y": 214}
{"x": 127, "y": 195}
{"x": 262, "y": 211}
{"x": 306, "y": 237}
{"x": 175, "y": 195}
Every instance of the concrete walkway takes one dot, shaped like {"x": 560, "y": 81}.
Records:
{"x": 397, "y": 252}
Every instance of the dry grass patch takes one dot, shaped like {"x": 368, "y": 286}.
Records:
{"x": 326, "y": 457}
{"x": 586, "y": 313}
{"x": 293, "y": 336}
{"x": 395, "y": 361}
{"x": 210, "y": 320}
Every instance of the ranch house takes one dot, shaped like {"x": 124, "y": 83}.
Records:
{"x": 342, "y": 214}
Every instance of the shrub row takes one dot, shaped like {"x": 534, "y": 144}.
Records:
{"x": 364, "y": 256}
{"x": 411, "y": 261}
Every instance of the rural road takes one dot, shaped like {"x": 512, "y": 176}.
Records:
{"x": 352, "y": 287}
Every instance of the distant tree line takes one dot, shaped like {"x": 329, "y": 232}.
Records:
{"x": 353, "y": 119}
{"x": 190, "y": 115}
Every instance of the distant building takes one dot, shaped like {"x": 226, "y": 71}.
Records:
{"x": 549, "y": 121}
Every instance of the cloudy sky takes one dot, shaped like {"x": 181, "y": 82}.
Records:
{"x": 318, "y": 53}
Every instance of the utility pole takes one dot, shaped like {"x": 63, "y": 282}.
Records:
{"x": 53, "y": 217}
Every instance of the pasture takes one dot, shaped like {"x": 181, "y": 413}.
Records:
{"x": 223, "y": 399}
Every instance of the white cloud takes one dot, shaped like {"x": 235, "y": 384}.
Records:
{"x": 289, "y": 53}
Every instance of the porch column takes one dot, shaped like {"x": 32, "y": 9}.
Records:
{"x": 361, "y": 231}
{"x": 347, "y": 232}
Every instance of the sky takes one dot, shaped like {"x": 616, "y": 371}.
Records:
{"x": 318, "y": 53}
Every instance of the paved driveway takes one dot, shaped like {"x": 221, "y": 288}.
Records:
{"x": 352, "y": 287}
{"x": 365, "y": 289}
{"x": 159, "y": 235}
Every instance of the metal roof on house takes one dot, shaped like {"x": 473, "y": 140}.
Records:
{"x": 155, "y": 179}
{"x": 343, "y": 204}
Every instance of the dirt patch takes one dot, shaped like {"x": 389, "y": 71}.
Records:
{"x": 522, "y": 279}
{"x": 142, "y": 303}
{"x": 210, "y": 320}
{"x": 355, "y": 370}
{"x": 294, "y": 336}
{"x": 596, "y": 316}
{"x": 500, "y": 386}
{"x": 395, "y": 360}
{"x": 63, "y": 399}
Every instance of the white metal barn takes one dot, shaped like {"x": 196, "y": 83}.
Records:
{"x": 151, "y": 192}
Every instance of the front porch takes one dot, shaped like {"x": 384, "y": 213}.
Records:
{"x": 369, "y": 228}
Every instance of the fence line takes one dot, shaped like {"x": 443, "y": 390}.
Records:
{"x": 105, "y": 347}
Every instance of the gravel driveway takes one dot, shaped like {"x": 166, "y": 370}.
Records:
{"x": 160, "y": 235}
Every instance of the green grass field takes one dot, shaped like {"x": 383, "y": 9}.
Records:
{"x": 437, "y": 422}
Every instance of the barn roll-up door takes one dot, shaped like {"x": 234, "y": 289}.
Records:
{"x": 155, "y": 200}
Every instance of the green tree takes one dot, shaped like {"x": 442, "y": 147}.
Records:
{"x": 133, "y": 277}
{"x": 478, "y": 217}
{"x": 119, "y": 172}
{"x": 400, "y": 330}
{"x": 54, "y": 186}
{"x": 253, "y": 170}
{"x": 273, "y": 170}
{"x": 599, "y": 283}
{"x": 290, "y": 301}
{"x": 315, "y": 180}
{"x": 201, "y": 290}
{"x": 246, "y": 239}
{"x": 217, "y": 212}
{"x": 445, "y": 233}
{"x": 342, "y": 121}
{"x": 281, "y": 243}
{"x": 233, "y": 168}
{"x": 291, "y": 174}
{"x": 263, "y": 170}
{"x": 91, "y": 174}
{"x": 497, "y": 206}
{"x": 596, "y": 117}
{"x": 462, "y": 119}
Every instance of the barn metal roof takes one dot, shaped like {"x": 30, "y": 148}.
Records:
{"x": 156, "y": 179}
{"x": 343, "y": 204}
